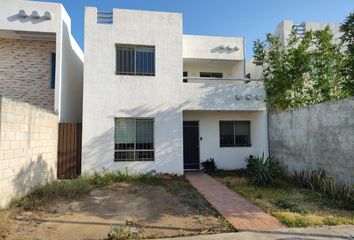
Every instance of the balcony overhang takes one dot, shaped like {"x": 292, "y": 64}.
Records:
{"x": 28, "y": 35}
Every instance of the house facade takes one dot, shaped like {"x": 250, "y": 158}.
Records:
{"x": 156, "y": 99}
{"x": 40, "y": 61}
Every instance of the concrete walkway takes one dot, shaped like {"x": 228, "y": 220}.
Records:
{"x": 322, "y": 233}
{"x": 242, "y": 214}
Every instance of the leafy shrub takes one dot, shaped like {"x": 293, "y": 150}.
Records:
{"x": 327, "y": 186}
{"x": 263, "y": 171}
{"x": 285, "y": 204}
{"x": 209, "y": 166}
{"x": 294, "y": 74}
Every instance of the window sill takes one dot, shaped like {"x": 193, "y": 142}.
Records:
{"x": 136, "y": 75}
{"x": 239, "y": 146}
{"x": 134, "y": 160}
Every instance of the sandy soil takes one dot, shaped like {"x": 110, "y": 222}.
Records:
{"x": 150, "y": 208}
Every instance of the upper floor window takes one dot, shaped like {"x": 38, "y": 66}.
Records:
{"x": 235, "y": 134}
{"x": 211, "y": 75}
{"x": 135, "y": 60}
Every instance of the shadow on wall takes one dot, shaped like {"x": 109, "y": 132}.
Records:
{"x": 21, "y": 19}
{"x": 99, "y": 152}
{"x": 35, "y": 173}
{"x": 221, "y": 96}
{"x": 72, "y": 78}
{"x": 223, "y": 49}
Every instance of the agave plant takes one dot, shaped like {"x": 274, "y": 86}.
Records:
{"x": 262, "y": 171}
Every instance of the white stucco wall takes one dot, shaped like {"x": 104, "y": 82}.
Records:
{"x": 209, "y": 132}
{"x": 254, "y": 70}
{"x": 319, "y": 136}
{"x": 227, "y": 67}
{"x": 162, "y": 97}
{"x": 72, "y": 75}
{"x": 69, "y": 56}
{"x": 208, "y": 47}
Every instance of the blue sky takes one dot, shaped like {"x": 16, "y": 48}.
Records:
{"x": 249, "y": 18}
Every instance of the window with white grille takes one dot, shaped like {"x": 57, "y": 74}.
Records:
{"x": 133, "y": 139}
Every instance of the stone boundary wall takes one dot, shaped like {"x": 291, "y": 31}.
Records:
{"x": 28, "y": 148}
{"x": 317, "y": 136}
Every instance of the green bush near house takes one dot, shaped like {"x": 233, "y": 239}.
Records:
{"x": 208, "y": 166}
{"x": 307, "y": 69}
{"x": 327, "y": 186}
{"x": 263, "y": 171}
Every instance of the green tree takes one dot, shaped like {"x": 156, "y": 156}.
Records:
{"x": 305, "y": 70}
{"x": 347, "y": 40}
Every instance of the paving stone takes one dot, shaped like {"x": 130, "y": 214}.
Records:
{"x": 242, "y": 214}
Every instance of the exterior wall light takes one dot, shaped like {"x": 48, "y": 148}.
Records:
{"x": 22, "y": 13}
{"x": 47, "y": 15}
{"x": 238, "y": 97}
{"x": 248, "y": 96}
{"x": 35, "y": 14}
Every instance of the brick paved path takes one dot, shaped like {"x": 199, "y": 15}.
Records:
{"x": 242, "y": 214}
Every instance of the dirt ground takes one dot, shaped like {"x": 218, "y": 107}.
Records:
{"x": 151, "y": 209}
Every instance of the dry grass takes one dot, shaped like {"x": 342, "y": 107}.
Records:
{"x": 294, "y": 206}
{"x": 189, "y": 196}
{"x": 199, "y": 212}
{"x": 4, "y": 224}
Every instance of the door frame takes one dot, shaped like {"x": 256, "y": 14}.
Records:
{"x": 194, "y": 169}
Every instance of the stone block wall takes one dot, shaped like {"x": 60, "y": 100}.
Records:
{"x": 28, "y": 148}
{"x": 25, "y": 71}
{"x": 313, "y": 137}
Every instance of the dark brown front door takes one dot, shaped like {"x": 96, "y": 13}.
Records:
{"x": 191, "y": 144}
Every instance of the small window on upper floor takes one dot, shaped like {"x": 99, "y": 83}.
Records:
{"x": 211, "y": 75}
{"x": 135, "y": 60}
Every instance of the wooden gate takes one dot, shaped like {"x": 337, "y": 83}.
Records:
{"x": 69, "y": 150}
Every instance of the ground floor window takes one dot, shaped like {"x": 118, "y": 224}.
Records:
{"x": 235, "y": 134}
{"x": 133, "y": 139}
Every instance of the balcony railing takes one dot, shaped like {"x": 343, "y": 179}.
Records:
{"x": 238, "y": 79}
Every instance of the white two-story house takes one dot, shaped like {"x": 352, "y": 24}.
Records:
{"x": 155, "y": 99}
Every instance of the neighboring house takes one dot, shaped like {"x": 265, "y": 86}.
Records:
{"x": 155, "y": 99}
{"x": 40, "y": 61}
{"x": 283, "y": 31}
